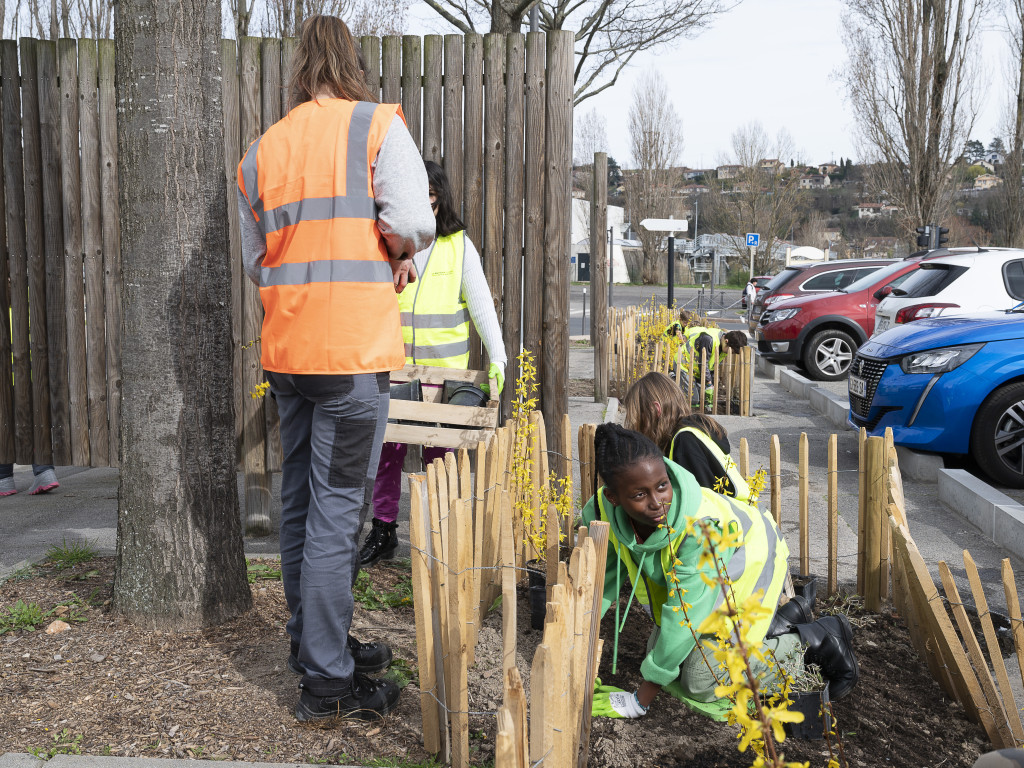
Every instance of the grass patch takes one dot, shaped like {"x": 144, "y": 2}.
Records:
{"x": 374, "y": 599}
{"x": 64, "y": 743}
{"x": 70, "y": 554}
{"x": 401, "y": 673}
{"x": 21, "y": 615}
{"x": 261, "y": 572}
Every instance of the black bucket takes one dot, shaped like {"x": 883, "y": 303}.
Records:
{"x": 464, "y": 393}
{"x": 815, "y": 709}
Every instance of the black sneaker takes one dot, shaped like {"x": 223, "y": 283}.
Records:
{"x": 381, "y": 543}
{"x": 368, "y": 699}
{"x": 368, "y": 657}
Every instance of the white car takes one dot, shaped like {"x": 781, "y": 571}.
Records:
{"x": 961, "y": 283}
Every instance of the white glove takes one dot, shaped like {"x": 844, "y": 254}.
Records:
{"x": 621, "y": 704}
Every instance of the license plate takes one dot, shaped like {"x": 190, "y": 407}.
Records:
{"x": 882, "y": 324}
{"x": 858, "y": 386}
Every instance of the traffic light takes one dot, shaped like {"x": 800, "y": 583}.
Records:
{"x": 924, "y": 239}
{"x": 938, "y": 235}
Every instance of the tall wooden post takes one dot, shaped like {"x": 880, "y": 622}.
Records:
{"x": 557, "y": 203}
{"x": 599, "y": 276}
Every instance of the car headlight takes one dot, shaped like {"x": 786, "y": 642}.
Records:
{"x": 939, "y": 360}
{"x": 783, "y": 314}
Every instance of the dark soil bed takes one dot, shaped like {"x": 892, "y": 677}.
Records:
{"x": 107, "y": 687}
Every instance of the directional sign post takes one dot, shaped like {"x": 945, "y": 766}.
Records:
{"x": 753, "y": 241}
{"x": 671, "y": 226}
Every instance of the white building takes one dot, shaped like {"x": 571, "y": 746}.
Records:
{"x": 581, "y": 239}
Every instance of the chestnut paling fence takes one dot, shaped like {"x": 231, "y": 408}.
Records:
{"x": 473, "y": 524}
{"x": 495, "y": 110}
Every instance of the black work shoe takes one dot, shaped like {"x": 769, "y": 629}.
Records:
{"x": 381, "y": 543}
{"x": 830, "y": 645}
{"x": 368, "y": 657}
{"x": 369, "y": 698}
{"x": 788, "y": 616}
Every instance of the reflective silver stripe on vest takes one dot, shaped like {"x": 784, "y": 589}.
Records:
{"x": 439, "y": 352}
{"x": 356, "y": 203}
{"x": 250, "y": 177}
{"x": 738, "y": 564}
{"x": 318, "y": 209}
{"x": 768, "y": 572}
{"x": 420, "y": 320}
{"x": 328, "y": 271}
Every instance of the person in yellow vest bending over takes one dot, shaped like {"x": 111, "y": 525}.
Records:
{"x": 656, "y": 407}
{"x": 653, "y": 506}
{"x": 436, "y": 311}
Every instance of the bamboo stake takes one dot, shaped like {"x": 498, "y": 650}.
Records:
{"x": 1013, "y": 611}
{"x": 833, "y": 514}
{"x": 775, "y": 469}
{"x": 805, "y": 520}
{"x": 1016, "y": 728}
{"x": 423, "y": 606}
{"x": 862, "y": 505}
{"x": 988, "y": 685}
{"x": 744, "y": 458}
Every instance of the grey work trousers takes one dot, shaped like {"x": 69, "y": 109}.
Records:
{"x": 332, "y": 430}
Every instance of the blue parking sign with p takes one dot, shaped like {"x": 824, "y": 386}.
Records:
{"x": 753, "y": 239}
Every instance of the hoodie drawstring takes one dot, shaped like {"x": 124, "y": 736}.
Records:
{"x": 619, "y": 627}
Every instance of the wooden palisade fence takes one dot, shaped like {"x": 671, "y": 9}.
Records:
{"x": 496, "y": 110}
{"x": 638, "y": 347}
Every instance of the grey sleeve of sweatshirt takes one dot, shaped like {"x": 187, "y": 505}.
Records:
{"x": 400, "y": 189}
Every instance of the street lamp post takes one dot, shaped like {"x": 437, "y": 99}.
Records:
{"x": 672, "y": 226}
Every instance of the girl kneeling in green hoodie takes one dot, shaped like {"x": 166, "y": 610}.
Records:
{"x": 648, "y": 502}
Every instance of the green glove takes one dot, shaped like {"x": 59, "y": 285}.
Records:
{"x": 617, "y": 703}
{"x": 496, "y": 372}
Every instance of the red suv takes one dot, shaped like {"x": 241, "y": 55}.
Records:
{"x": 814, "y": 277}
{"x": 822, "y": 332}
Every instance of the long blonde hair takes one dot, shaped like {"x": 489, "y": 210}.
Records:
{"x": 656, "y": 391}
{"x": 327, "y": 60}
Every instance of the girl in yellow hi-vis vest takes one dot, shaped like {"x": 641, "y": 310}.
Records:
{"x": 653, "y": 507}
{"x": 450, "y": 291}
{"x": 657, "y": 407}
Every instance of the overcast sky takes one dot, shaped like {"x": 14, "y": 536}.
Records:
{"x": 769, "y": 60}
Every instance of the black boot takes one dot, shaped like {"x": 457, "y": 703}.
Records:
{"x": 368, "y": 657}
{"x": 367, "y": 698}
{"x": 796, "y": 611}
{"x": 381, "y": 543}
{"x": 830, "y": 645}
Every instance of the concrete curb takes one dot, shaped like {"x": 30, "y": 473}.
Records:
{"x": 793, "y": 382}
{"x": 1000, "y": 518}
{"x": 920, "y": 466}
{"x": 611, "y": 411}
{"x": 830, "y": 405}
{"x": 765, "y": 366}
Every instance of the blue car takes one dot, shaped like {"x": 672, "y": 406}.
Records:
{"x": 948, "y": 385}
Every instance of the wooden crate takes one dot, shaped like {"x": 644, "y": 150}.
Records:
{"x": 471, "y": 424}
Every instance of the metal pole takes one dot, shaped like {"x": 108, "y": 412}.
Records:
{"x": 671, "y": 271}
{"x": 752, "y": 249}
{"x": 583, "y": 320}
{"x": 535, "y": 18}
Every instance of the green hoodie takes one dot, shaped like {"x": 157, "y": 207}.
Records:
{"x": 676, "y": 640}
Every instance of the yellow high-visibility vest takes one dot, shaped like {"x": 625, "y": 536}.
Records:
{"x": 729, "y": 467}
{"x": 760, "y": 563}
{"x": 435, "y": 317}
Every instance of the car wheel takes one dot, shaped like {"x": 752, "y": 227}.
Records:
{"x": 997, "y": 439}
{"x": 828, "y": 355}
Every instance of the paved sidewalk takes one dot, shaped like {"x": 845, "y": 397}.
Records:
{"x": 21, "y": 760}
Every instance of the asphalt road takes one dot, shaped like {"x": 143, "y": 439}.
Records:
{"x": 722, "y": 305}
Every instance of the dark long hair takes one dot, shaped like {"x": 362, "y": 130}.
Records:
{"x": 448, "y": 221}
{"x": 327, "y": 59}
{"x": 616, "y": 448}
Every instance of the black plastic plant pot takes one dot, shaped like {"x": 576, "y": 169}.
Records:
{"x": 535, "y": 569}
{"x": 806, "y": 585}
{"x": 814, "y": 706}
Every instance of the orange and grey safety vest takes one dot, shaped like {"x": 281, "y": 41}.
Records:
{"x": 326, "y": 284}
{"x": 435, "y": 317}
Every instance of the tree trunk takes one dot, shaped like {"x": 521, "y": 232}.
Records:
{"x": 180, "y": 562}
{"x": 502, "y": 20}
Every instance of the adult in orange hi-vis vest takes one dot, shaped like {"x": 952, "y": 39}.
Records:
{"x": 334, "y": 204}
